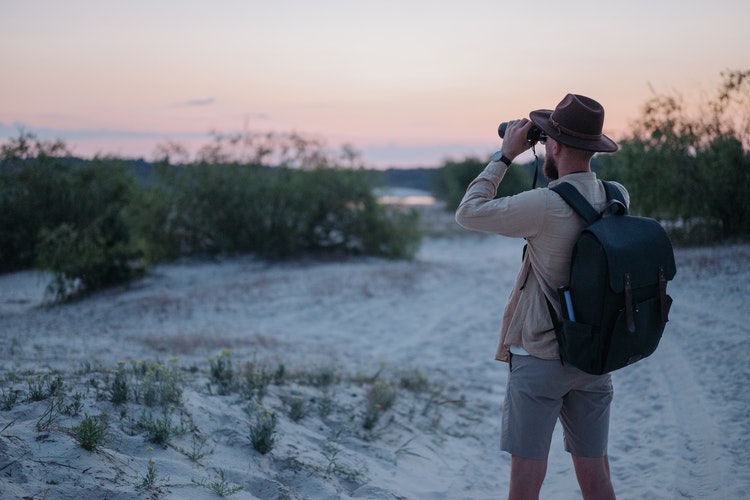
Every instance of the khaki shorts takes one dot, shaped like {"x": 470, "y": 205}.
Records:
{"x": 540, "y": 391}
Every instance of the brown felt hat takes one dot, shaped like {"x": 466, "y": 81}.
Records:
{"x": 576, "y": 122}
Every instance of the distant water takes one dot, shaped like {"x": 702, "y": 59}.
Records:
{"x": 404, "y": 196}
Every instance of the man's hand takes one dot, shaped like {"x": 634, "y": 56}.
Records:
{"x": 515, "y": 141}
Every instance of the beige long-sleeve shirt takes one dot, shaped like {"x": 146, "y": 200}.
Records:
{"x": 550, "y": 228}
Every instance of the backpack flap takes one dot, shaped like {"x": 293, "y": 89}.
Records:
{"x": 639, "y": 257}
{"x": 619, "y": 235}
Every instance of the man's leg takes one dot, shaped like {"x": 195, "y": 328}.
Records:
{"x": 593, "y": 478}
{"x": 526, "y": 478}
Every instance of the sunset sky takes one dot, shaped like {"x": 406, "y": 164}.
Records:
{"x": 404, "y": 82}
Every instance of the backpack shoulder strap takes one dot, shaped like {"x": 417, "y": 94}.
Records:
{"x": 613, "y": 193}
{"x": 615, "y": 198}
{"x": 577, "y": 202}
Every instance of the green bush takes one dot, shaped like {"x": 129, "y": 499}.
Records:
{"x": 92, "y": 433}
{"x": 90, "y": 258}
{"x": 34, "y": 195}
{"x": 94, "y": 224}
{"x": 380, "y": 398}
{"x": 65, "y": 215}
{"x": 263, "y": 433}
{"x": 273, "y": 212}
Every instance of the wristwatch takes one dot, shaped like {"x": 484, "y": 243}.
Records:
{"x": 499, "y": 156}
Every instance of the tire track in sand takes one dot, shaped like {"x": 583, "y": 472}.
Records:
{"x": 701, "y": 464}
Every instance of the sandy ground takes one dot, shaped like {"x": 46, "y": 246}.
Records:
{"x": 329, "y": 335}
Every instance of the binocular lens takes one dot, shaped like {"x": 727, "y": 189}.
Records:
{"x": 501, "y": 129}
{"x": 534, "y": 135}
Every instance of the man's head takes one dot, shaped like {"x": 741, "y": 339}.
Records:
{"x": 576, "y": 126}
{"x": 576, "y": 122}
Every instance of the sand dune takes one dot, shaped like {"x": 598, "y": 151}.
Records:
{"x": 327, "y": 336}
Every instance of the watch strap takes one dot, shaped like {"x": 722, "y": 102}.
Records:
{"x": 502, "y": 158}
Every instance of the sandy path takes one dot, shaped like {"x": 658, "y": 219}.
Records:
{"x": 681, "y": 418}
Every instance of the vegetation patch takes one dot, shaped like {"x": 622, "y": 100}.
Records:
{"x": 108, "y": 410}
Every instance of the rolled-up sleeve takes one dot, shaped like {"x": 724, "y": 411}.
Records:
{"x": 515, "y": 216}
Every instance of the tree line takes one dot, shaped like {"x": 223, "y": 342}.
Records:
{"x": 95, "y": 224}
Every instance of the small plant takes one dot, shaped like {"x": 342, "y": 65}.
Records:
{"x": 85, "y": 367}
{"x": 322, "y": 377}
{"x": 414, "y": 381}
{"x": 54, "y": 386}
{"x": 326, "y": 404}
{"x": 160, "y": 431}
{"x": 297, "y": 408}
{"x": 263, "y": 432}
{"x": 159, "y": 385}
{"x": 334, "y": 467}
{"x": 279, "y": 376}
{"x": 149, "y": 480}
{"x": 119, "y": 388}
{"x": 51, "y": 413}
{"x": 256, "y": 382}
{"x": 199, "y": 450}
{"x": 8, "y": 399}
{"x": 37, "y": 391}
{"x": 404, "y": 449}
{"x": 91, "y": 433}
{"x": 380, "y": 398}
{"x": 222, "y": 372}
{"x": 75, "y": 407}
{"x": 219, "y": 486}
{"x": 331, "y": 450}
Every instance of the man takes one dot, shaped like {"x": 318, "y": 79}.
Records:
{"x": 540, "y": 388}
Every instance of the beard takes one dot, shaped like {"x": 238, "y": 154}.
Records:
{"x": 549, "y": 169}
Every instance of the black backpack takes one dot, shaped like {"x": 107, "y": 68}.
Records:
{"x": 615, "y": 306}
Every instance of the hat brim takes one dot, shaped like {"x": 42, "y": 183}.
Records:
{"x": 604, "y": 144}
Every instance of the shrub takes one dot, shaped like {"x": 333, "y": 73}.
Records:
{"x": 273, "y": 212}
{"x": 256, "y": 381}
{"x": 222, "y": 372}
{"x": 219, "y": 486}
{"x": 380, "y": 398}
{"x": 263, "y": 432}
{"x": 119, "y": 389}
{"x": 297, "y": 408}
{"x": 91, "y": 433}
{"x": 414, "y": 380}
{"x": 8, "y": 399}
{"x": 34, "y": 194}
{"x": 149, "y": 479}
{"x": 67, "y": 216}
{"x": 160, "y": 430}
{"x": 94, "y": 226}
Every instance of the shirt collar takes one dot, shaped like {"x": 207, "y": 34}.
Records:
{"x": 577, "y": 176}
